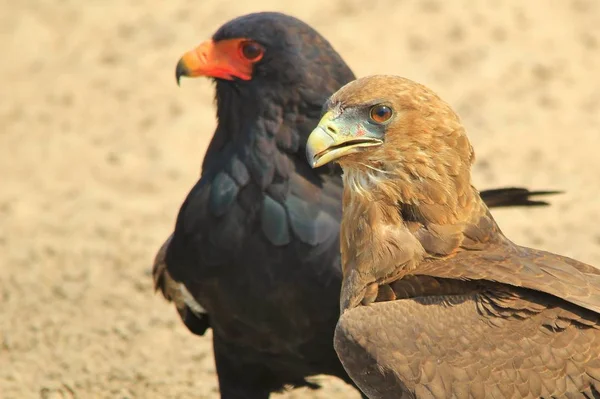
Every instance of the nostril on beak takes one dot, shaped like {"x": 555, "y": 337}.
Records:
{"x": 331, "y": 129}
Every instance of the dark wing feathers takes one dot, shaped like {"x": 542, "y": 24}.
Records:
{"x": 228, "y": 235}
{"x": 223, "y": 193}
{"x": 238, "y": 171}
{"x": 309, "y": 223}
{"x": 261, "y": 168}
{"x": 229, "y": 219}
{"x": 274, "y": 222}
{"x": 313, "y": 206}
{"x": 310, "y": 212}
{"x": 160, "y": 274}
{"x": 196, "y": 322}
{"x": 283, "y": 166}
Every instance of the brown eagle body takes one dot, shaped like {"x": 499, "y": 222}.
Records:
{"x": 460, "y": 311}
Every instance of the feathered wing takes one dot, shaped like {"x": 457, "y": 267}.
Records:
{"x": 492, "y": 320}
{"x": 192, "y": 314}
{"x": 562, "y": 277}
{"x": 490, "y": 342}
{"x": 264, "y": 260}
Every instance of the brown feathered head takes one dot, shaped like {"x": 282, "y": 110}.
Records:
{"x": 397, "y": 139}
{"x": 407, "y": 182}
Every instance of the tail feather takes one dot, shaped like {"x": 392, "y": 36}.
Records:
{"x": 514, "y": 196}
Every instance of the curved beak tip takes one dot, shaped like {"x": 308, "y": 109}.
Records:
{"x": 180, "y": 70}
{"x": 319, "y": 141}
{"x": 313, "y": 148}
{"x": 310, "y": 157}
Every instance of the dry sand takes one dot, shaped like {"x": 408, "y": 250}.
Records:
{"x": 98, "y": 147}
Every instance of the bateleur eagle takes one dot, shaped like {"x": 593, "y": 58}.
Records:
{"x": 255, "y": 251}
{"x": 460, "y": 311}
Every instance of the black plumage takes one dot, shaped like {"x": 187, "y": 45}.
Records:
{"x": 256, "y": 241}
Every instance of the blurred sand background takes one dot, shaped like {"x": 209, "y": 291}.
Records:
{"x": 98, "y": 147}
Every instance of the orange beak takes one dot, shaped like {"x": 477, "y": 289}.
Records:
{"x": 220, "y": 60}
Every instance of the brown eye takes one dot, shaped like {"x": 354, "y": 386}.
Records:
{"x": 251, "y": 51}
{"x": 381, "y": 113}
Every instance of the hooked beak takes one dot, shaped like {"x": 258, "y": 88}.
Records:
{"x": 334, "y": 138}
{"x": 213, "y": 59}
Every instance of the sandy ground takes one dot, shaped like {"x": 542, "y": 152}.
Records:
{"x": 98, "y": 147}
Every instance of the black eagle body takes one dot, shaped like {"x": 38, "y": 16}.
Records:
{"x": 256, "y": 241}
